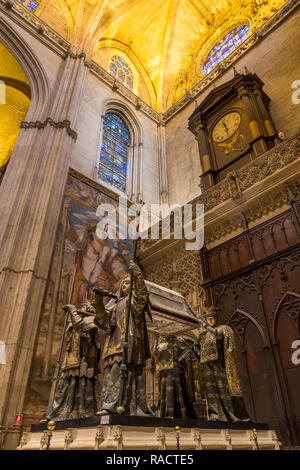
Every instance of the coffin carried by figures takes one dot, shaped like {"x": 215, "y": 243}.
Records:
{"x": 171, "y": 313}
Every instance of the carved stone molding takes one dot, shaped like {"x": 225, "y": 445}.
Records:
{"x": 152, "y": 439}
{"x": 161, "y": 437}
{"x": 80, "y": 55}
{"x": 57, "y": 125}
{"x": 99, "y": 437}
{"x": 39, "y": 25}
{"x": 277, "y": 443}
{"x": 43, "y": 440}
{"x": 258, "y": 209}
{"x": 252, "y": 439}
{"x": 69, "y": 438}
{"x": 228, "y": 439}
{"x": 197, "y": 438}
{"x": 9, "y": 4}
{"x": 256, "y": 171}
{"x": 23, "y": 441}
{"x": 118, "y": 436}
{"x": 270, "y": 162}
{"x": 119, "y": 88}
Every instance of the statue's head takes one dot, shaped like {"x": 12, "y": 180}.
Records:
{"x": 87, "y": 308}
{"x": 125, "y": 285}
{"x": 211, "y": 316}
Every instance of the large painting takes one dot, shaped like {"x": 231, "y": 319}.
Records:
{"x": 80, "y": 262}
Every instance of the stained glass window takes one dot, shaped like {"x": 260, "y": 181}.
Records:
{"x": 119, "y": 68}
{"x": 30, "y": 4}
{"x": 114, "y": 151}
{"x": 225, "y": 47}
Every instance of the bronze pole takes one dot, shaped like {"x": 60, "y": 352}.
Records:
{"x": 124, "y": 365}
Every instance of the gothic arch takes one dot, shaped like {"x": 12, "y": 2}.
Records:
{"x": 129, "y": 117}
{"x": 135, "y": 157}
{"x": 293, "y": 310}
{"x": 193, "y": 69}
{"x": 216, "y": 37}
{"x": 243, "y": 318}
{"x": 113, "y": 43}
{"x": 35, "y": 73}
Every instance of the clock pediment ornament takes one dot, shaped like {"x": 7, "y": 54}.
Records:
{"x": 233, "y": 126}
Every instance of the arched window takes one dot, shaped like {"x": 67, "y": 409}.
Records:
{"x": 225, "y": 47}
{"x": 120, "y": 69}
{"x": 30, "y": 4}
{"x": 114, "y": 151}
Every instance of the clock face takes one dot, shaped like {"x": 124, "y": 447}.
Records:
{"x": 226, "y": 127}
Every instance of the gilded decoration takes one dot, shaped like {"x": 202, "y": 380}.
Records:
{"x": 256, "y": 171}
{"x": 171, "y": 80}
{"x": 181, "y": 264}
{"x": 14, "y": 101}
{"x": 262, "y": 16}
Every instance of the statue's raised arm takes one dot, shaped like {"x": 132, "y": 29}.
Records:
{"x": 140, "y": 293}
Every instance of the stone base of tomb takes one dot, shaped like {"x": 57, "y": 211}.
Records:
{"x": 111, "y": 432}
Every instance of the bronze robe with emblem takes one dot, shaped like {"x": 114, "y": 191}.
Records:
{"x": 172, "y": 368}
{"x": 78, "y": 390}
{"x": 217, "y": 353}
{"x": 114, "y": 316}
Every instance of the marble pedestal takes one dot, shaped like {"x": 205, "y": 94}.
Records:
{"x": 136, "y": 433}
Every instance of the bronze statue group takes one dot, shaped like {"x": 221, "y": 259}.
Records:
{"x": 114, "y": 337}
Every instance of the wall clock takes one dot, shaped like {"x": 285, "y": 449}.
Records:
{"x": 226, "y": 127}
{"x": 233, "y": 126}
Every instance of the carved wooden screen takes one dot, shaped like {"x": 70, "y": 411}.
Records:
{"x": 254, "y": 282}
{"x": 286, "y": 331}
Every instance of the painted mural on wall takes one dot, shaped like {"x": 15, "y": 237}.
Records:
{"x": 80, "y": 262}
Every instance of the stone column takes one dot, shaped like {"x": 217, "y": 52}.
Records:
{"x": 258, "y": 144}
{"x": 31, "y": 195}
{"x": 271, "y": 131}
{"x": 253, "y": 124}
{"x": 163, "y": 172}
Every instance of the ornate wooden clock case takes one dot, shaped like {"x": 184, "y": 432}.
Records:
{"x": 232, "y": 126}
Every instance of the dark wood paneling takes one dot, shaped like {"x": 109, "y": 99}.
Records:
{"x": 260, "y": 299}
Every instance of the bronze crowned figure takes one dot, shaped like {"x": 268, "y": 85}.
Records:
{"x": 126, "y": 348}
{"x": 173, "y": 367}
{"x": 78, "y": 389}
{"x": 216, "y": 350}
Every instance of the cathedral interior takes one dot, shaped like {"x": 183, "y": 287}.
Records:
{"x": 161, "y": 104}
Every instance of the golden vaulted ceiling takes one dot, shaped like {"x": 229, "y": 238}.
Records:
{"x": 164, "y": 42}
{"x": 14, "y": 101}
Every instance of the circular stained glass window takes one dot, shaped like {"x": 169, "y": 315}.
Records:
{"x": 225, "y": 47}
